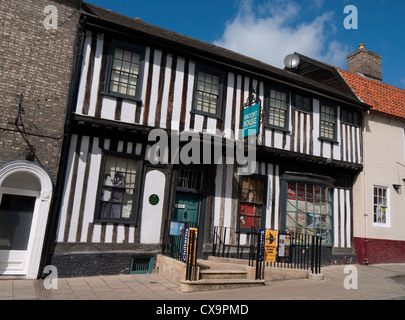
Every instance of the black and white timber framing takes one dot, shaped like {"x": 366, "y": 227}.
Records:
{"x": 100, "y": 122}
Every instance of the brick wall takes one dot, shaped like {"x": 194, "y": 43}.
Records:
{"x": 379, "y": 251}
{"x": 36, "y": 62}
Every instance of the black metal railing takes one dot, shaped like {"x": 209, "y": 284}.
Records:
{"x": 180, "y": 241}
{"x": 220, "y": 247}
{"x": 173, "y": 241}
{"x": 295, "y": 251}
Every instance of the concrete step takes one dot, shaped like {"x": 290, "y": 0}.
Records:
{"x": 218, "y": 284}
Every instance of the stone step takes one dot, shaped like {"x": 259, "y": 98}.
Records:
{"x": 218, "y": 284}
{"x": 222, "y": 274}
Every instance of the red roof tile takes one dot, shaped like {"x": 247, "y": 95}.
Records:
{"x": 382, "y": 97}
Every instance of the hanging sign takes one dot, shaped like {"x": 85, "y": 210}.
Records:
{"x": 270, "y": 246}
{"x": 250, "y": 120}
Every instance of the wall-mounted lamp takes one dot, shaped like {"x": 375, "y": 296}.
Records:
{"x": 397, "y": 187}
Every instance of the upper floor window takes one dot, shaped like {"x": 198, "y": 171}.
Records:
{"x": 208, "y": 92}
{"x": 328, "y": 122}
{"x": 125, "y": 71}
{"x": 278, "y": 109}
{"x": 302, "y": 103}
{"x": 351, "y": 117}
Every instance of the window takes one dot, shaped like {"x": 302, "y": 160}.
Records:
{"x": 351, "y": 117}
{"x": 251, "y": 202}
{"x": 278, "y": 109}
{"x": 328, "y": 122}
{"x": 119, "y": 191}
{"x": 302, "y": 103}
{"x": 125, "y": 71}
{"x": 16, "y": 214}
{"x": 208, "y": 92}
{"x": 309, "y": 210}
{"x": 190, "y": 179}
{"x": 380, "y": 205}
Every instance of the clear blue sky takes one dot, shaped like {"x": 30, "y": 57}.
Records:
{"x": 270, "y": 29}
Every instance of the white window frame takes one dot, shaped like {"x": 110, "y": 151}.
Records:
{"x": 387, "y": 223}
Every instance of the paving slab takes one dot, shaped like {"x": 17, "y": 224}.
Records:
{"x": 355, "y": 282}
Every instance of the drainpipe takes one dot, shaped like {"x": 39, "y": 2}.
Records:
{"x": 365, "y": 188}
{"x": 72, "y": 98}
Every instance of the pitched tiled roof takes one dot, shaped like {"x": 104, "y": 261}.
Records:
{"x": 383, "y": 97}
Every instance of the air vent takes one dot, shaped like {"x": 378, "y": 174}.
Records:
{"x": 141, "y": 264}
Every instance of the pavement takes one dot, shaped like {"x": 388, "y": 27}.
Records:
{"x": 360, "y": 282}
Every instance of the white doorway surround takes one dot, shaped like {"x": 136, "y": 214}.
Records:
{"x": 25, "y": 198}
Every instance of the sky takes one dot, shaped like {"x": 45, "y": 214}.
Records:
{"x": 269, "y": 30}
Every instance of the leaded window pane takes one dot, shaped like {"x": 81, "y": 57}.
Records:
{"x": 125, "y": 72}
{"x": 309, "y": 210}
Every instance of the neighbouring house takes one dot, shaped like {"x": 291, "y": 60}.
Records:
{"x": 118, "y": 204}
{"x": 37, "y": 41}
{"x": 378, "y": 202}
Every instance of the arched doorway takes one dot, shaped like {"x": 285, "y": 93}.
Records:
{"x": 25, "y": 197}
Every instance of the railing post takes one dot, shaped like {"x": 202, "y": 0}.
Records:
{"x": 214, "y": 242}
{"x": 191, "y": 257}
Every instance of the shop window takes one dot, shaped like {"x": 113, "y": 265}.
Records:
{"x": 309, "y": 210}
{"x": 252, "y": 198}
{"x": 380, "y": 205}
{"x": 208, "y": 92}
{"x": 125, "y": 71}
{"x": 119, "y": 189}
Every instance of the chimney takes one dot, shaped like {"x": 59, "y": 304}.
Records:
{"x": 365, "y": 62}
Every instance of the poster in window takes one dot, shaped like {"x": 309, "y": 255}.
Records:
{"x": 284, "y": 245}
{"x": 250, "y": 211}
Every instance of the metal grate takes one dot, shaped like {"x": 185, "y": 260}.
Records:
{"x": 141, "y": 264}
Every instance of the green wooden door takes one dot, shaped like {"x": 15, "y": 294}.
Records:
{"x": 186, "y": 207}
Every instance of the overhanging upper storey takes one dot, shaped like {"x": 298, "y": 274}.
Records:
{"x": 148, "y": 77}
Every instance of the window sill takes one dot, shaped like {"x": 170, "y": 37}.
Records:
{"x": 206, "y": 114}
{"x": 122, "y": 96}
{"x": 115, "y": 222}
{"x": 270, "y": 127}
{"x": 381, "y": 225}
{"x": 328, "y": 140}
